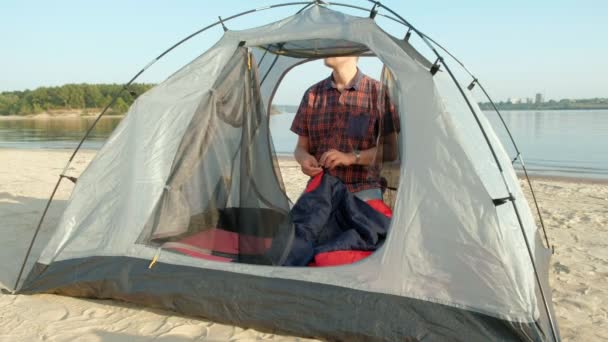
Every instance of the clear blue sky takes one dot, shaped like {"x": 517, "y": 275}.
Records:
{"x": 517, "y": 47}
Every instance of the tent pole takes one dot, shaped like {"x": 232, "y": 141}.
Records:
{"x": 305, "y": 7}
{"x": 276, "y": 57}
{"x": 523, "y": 165}
{"x": 516, "y": 210}
{"x": 504, "y": 124}
{"x": 29, "y": 249}
{"x": 475, "y": 80}
{"x": 340, "y": 4}
{"x": 498, "y": 164}
{"x": 426, "y": 39}
{"x": 308, "y": 3}
{"x": 125, "y": 86}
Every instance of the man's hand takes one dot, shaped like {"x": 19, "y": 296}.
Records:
{"x": 310, "y": 166}
{"x": 333, "y": 158}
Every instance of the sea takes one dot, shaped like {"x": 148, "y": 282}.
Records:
{"x": 571, "y": 143}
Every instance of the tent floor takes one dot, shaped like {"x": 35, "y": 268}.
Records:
{"x": 271, "y": 304}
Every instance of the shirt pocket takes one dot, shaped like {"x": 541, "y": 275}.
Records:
{"x": 357, "y": 126}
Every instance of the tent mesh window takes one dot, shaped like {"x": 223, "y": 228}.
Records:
{"x": 224, "y": 199}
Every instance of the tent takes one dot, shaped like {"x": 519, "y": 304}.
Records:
{"x": 463, "y": 259}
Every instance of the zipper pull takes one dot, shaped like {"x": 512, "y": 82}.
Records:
{"x": 155, "y": 258}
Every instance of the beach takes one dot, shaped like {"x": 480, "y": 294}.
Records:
{"x": 58, "y": 114}
{"x": 575, "y": 213}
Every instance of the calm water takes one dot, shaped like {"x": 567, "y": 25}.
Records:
{"x": 569, "y": 143}
{"x": 572, "y": 143}
{"x": 55, "y": 133}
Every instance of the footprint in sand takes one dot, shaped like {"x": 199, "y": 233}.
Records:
{"x": 53, "y": 315}
{"x": 583, "y": 290}
{"x": 97, "y": 313}
{"x": 150, "y": 327}
{"x": 186, "y": 331}
{"x": 560, "y": 268}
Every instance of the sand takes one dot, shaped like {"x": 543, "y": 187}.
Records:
{"x": 575, "y": 213}
{"x": 58, "y": 114}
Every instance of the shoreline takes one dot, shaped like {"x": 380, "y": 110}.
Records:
{"x": 96, "y": 111}
{"x": 74, "y": 114}
{"x": 563, "y": 179}
{"x": 541, "y": 109}
{"x": 77, "y": 113}
{"x": 287, "y": 158}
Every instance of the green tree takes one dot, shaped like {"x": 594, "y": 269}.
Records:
{"x": 7, "y": 103}
{"x": 120, "y": 106}
{"x": 93, "y": 97}
{"x": 69, "y": 96}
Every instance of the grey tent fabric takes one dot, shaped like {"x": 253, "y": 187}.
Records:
{"x": 225, "y": 161}
{"x": 196, "y": 148}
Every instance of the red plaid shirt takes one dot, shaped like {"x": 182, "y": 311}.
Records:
{"x": 346, "y": 121}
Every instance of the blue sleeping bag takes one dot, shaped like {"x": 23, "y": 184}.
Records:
{"x": 327, "y": 217}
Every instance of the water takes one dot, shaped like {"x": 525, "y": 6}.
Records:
{"x": 564, "y": 143}
{"x": 571, "y": 143}
{"x": 55, "y": 133}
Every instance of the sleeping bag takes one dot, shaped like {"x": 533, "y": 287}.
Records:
{"x": 327, "y": 217}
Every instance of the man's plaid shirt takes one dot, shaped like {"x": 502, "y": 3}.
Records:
{"x": 346, "y": 121}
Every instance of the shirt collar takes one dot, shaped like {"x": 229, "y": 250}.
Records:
{"x": 353, "y": 84}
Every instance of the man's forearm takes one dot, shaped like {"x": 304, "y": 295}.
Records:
{"x": 387, "y": 154}
{"x": 367, "y": 156}
{"x": 300, "y": 154}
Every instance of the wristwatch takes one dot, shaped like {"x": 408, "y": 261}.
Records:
{"x": 357, "y": 156}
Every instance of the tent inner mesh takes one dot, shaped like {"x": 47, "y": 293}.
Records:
{"x": 224, "y": 200}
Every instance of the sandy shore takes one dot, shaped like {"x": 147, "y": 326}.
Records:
{"x": 575, "y": 212}
{"x": 60, "y": 114}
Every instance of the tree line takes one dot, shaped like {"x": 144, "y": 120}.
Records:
{"x": 70, "y": 97}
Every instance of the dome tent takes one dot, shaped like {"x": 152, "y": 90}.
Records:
{"x": 463, "y": 258}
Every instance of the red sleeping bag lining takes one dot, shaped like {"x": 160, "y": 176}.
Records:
{"x": 335, "y": 258}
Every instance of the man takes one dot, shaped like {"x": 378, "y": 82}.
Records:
{"x": 346, "y": 124}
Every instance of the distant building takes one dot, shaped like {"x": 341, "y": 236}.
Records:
{"x": 539, "y": 98}
{"x": 529, "y": 100}
{"x": 514, "y": 100}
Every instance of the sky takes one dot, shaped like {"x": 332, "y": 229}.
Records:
{"x": 516, "y": 48}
